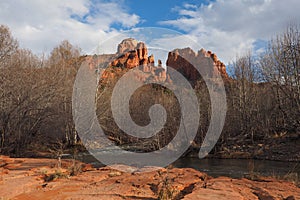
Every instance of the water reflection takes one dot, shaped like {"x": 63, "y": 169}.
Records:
{"x": 238, "y": 168}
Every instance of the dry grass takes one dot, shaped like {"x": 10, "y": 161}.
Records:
{"x": 56, "y": 175}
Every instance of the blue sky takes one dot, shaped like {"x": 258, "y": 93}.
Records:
{"x": 152, "y": 12}
{"x": 226, "y": 27}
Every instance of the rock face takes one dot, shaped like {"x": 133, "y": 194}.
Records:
{"x": 131, "y": 54}
{"x": 127, "y": 45}
{"x": 134, "y": 54}
{"x": 185, "y": 61}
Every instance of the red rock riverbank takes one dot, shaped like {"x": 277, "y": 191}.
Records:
{"x": 26, "y": 178}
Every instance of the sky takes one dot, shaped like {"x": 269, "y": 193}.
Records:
{"x": 227, "y": 27}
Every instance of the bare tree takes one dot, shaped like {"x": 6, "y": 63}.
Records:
{"x": 25, "y": 102}
{"x": 244, "y": 94}
{"x": 35, "y": 97}
{"x": 281, "y": 67}
{"x": 64, "y": 60}
{"x": 8, "y": 45}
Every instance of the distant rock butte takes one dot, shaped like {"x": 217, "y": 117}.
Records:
{"x": 185, "y": 61}
{"x": 133, "y": 54}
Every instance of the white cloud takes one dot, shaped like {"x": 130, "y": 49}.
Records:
{"x": 41, "y": 25}
{"x": 232, "y": 26}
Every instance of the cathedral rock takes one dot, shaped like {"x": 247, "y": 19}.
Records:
{"x": 133, "y": 54}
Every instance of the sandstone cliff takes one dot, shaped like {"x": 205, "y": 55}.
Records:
{"x": 133, "y": 54}
{"x": 130, "y": 54}
{"x": 185, "y": 61}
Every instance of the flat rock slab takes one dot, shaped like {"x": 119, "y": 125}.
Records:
{"x": 24, "y": 179}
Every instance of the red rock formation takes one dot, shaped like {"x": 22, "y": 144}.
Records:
{"x": 132, "y": 54}
{"x": 142, "y": 51}
{"x": 127, "y": 45}
{"x": 185, "y": 61}
{"x": 151, "y": 60}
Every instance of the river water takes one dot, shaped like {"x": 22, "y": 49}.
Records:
{"x": 235, "y": 168}
{"x": 238, "y": 168}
